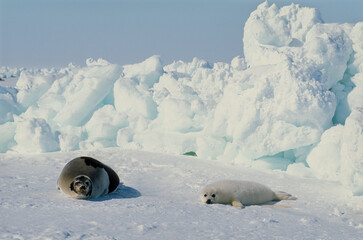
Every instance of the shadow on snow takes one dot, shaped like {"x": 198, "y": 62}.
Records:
{"x": 121, "y": 192}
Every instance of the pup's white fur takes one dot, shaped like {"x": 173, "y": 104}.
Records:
{"x": 239, "y": 193}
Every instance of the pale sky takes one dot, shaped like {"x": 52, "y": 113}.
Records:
{"x": 54, "y": 33}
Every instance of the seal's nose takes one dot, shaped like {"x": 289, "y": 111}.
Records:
{"x": 83, "y": 188}
{"x": 208, "y": 201}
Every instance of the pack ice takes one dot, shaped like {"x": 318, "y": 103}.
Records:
{"x": 295, "y": 102}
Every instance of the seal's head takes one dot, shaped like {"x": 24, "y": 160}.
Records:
{"x": 82, "y": 186}
{"x": 208, "y": 195}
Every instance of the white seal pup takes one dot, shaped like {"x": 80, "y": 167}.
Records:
{"x": 86, "y": 177}
{"x": 240, "y": 193}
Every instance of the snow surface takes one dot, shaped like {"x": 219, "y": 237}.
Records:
{"x": 293, "y": 107}
{"x": 158, "y": 199}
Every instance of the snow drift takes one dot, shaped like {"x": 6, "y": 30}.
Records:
{"x": 295, "y": 102}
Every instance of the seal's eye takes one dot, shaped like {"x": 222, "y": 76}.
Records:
{"x": 213, "y": 195}
{"x": 205, "y": 195}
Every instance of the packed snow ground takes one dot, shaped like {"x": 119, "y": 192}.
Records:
{"x": 158, "y": 199}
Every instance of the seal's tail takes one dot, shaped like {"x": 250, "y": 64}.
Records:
{"x": 283, "y": 196}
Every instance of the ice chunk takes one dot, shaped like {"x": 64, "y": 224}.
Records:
{"x": 187, "y": 68}
{"x": 339, "y": 155}
{"x": 352, "y": 152}
{"x": 132, "y": 99}
{"x": 269, "y": 28}
{"x": 268, "y": 109}
{"x": 323, "y": 50}
{"x": 103, "y": 126}
{"x": 32, "y": 86}
{"x": 175, "y": 115}
{"x": 7, "y": 72}
{"x": 99, "y": 62}
{"x": 357, "y": 36}
{"x": 327, "y": 50}
{"x": 166, "y": 141}
{"x": 324, "y": 159}
{"x": 268, "y": 163}
{"x": 70, "y": 137}
{"x": 8, "y": 105}
{"x": 300, "y": 170}
{"x": 355, "y": 98}
{"x": 125, "y": 139}
{"x": 185, "y": 100}
{"x": 87, "y": 89}
{"x": 7, "y": 132}
{"x": 145, "y": 73}
{"x": 284, "y": 100}
{"x": 209, "y": 147}
{"x": 238, "y": 63}
{"x": 34, "y": 136}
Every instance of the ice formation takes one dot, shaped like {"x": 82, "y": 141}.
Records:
{"x": 295, "y": 102}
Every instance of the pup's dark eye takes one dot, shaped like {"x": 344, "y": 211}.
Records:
{"x": 205, "y": 195}
{"x": 213, "y": 195}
